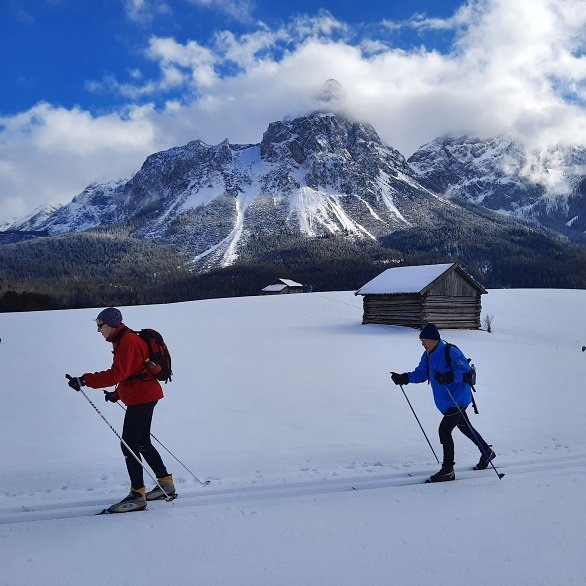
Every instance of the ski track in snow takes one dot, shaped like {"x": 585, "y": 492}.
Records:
{"x": 207, "y": 497}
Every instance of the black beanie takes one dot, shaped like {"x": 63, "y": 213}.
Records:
{"x": 429, "y": 332}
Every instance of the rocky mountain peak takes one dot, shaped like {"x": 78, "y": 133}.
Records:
{"x": 501, "y": 174}
{"x": 321, "y": 134}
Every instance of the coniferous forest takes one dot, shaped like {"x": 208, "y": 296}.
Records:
{"x": 110, "y": 267}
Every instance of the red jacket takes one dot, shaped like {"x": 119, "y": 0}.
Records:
{"x": 130, "y": 355}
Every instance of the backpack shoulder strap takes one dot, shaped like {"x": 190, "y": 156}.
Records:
{"x": 449, "y": 361}
{"x": 447, "y": 349}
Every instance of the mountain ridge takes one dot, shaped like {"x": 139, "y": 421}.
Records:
{"x": 320, "y": 198}
{"x": 318, "y": 174}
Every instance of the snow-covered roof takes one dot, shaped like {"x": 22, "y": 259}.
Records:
{"x": 290, "y": 283}
{"x": 274, "y": 288}
{"x": 404, "y": 280}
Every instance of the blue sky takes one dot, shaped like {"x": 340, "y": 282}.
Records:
{"x": 69, "y": 53}
{"x": 91, "y": 87}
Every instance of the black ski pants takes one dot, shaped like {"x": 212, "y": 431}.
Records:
{"x": 137, "y": 434}
{"x": 456, "y": 417}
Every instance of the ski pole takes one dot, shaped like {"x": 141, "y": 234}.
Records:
{"x": 168, "y": 498}
{"x": 421, "y": 426}
{"x": 170, "y": 452}
{"x": 473, "y": 432}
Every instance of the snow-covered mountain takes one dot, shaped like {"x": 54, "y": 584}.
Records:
{"x": 319, "y": 193}
{"x": 313, "y": 175}
{"x": 95, "y": 206}
{"x": 34, "y": 221}
{"x": 547, "y": 186}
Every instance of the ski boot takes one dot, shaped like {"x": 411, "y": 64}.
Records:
{"x": 446, "y": 473}
{"x": 135, "y": 501}
{"x": 165, "y": 483}
{"x": 485, "y": 459}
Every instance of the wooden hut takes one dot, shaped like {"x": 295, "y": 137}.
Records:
{"x": 283, "y": 286}
{"x": 413, "y": 296}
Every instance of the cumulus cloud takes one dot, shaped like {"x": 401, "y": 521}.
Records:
{"x": 180, "y": 63}
{"x": 48, "y": 154}
{"x": 515, "y": 68}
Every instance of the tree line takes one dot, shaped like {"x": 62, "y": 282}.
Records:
{"x": 111, "y": 267}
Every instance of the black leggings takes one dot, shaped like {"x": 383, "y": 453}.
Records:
{"x": 455, "y": 417}
{"x": 137, "y": 434}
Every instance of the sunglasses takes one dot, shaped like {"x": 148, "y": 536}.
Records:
{"x": 100, "y": 325}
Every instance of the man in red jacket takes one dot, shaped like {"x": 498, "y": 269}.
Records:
{"x": 140, "y": 391}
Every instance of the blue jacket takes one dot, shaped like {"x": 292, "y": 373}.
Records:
{"x": 459, "y": 390}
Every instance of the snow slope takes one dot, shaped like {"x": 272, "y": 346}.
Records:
{"x": 315, "y": 460}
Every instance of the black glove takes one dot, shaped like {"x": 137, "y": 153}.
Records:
{"x": 75, "y": 382}
{"x": 110, "y": 396}
{"x": 400, "y": 379}
{"x": 470, "y": 377}
{"x": 444, "y": 378}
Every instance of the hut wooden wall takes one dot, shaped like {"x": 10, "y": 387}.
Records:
{"x": 415, "y": 311}
{"x": 452, "y": 312}
{"x": 399, "y": 310}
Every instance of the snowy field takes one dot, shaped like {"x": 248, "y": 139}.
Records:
{"x": 315, "y": 459}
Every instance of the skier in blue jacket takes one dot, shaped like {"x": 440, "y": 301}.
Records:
{"x": 452, "y": 395}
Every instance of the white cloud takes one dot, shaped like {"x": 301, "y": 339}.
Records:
{"x": 179, "y": 63}
{"x": 135, "y": 9}
{"x": 515, "y": 68}
{"x": 143, "y": 11}
{"x": 465, "y": 16}
{"x": 179, "y": 66}
{"x": 240, "y": 10}
{"x": 247, "y": 50}
{"x": 49, "y": 154}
